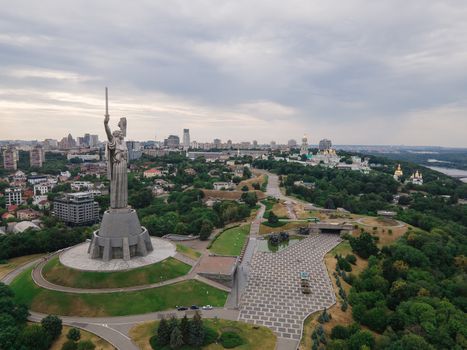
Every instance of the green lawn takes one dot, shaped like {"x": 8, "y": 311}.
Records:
{"x": 187, "y": 251}
{"x": 169, "y": 268}
{"x": 114, "y": 304}
{"x": 231, "y": 241}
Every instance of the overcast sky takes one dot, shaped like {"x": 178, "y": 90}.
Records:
{"x": 357, "y": 72}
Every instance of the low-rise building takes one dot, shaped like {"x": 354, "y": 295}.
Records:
{"x": 76, "y": 208}
{"x": 81, "y": 185}
{"x": 223, "y": 185}
{"x": 153, "y": 172}
{"x": 28, "y": 214}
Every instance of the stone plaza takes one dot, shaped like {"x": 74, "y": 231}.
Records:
{"x": 273, "y": 296}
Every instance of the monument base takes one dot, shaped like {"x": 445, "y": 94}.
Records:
{"x": 120, "y": 236}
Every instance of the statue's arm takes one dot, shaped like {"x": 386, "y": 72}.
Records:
{"x": 107, "y": 128}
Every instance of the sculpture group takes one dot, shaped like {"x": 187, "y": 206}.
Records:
{"x": 120, "y": 235}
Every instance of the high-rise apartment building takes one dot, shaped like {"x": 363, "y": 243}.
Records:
{"x": 36, "y": 157}
{"x": 76, "y": 208}
{"x": 325, "y": 144}
{"x": 173, "y": 141}
{"x": 304, "y": 147}
{"x": 217, "y": 144}
{"x": 186, "y": 138}
{"x": 10, "y": 158}
{"x": 13, "y": 196}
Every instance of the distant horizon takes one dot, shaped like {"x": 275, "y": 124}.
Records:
{"x": 313, "y": 145}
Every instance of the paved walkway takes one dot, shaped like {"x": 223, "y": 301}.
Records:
{"x": 273, "y": 297}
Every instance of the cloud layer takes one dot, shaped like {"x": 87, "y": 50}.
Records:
{"x": 364, "y": 72}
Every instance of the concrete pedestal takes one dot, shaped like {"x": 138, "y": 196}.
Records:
{"x": 120, "y": 236}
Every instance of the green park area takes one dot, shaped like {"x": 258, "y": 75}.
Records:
{"x": 187, "y": 251}
{"x": 169, "y": 268}
{"x": 230, "y": 241}
{"x": 114, "y": 304}
{"x": 254, "y": 337}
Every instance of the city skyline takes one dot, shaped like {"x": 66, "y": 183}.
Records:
{"x": 356, "y": 73}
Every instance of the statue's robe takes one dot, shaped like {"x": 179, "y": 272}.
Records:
{"x": 117, "y": 160}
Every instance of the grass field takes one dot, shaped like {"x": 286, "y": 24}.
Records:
{"x": 100, "y": 343}
{"x": 260, "y": 338}
{"x": 230, "y": 241}
{"x": 114, "y": 304}
{"x": 169, "y": 268}
{"x": 14, "y": 263}
{"x": 187, "y": 251}
{"x": 249, "y": 183}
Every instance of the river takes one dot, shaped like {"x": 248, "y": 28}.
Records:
{"x": 458, "y": 173}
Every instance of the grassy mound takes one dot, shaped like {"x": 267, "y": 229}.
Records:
{"x": 62, "y": 275}
{"x": 231, "y": 241}
{"x": 114, "y": 304}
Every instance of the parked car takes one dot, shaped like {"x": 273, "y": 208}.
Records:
{"x": 207, "y": 307}
{"x": 194, "y": 307}
{"x": 181, "y": 308}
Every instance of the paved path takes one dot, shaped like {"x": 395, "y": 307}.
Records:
{"x": 273, "y": 297}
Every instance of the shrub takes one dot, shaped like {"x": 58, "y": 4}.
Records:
{"x": 86, "y": 345}
{"x": 74, "y": 334}
{"x": 351, "y": 258}
{"x": 210, "y": 335}
{"x": 339, "y": 332}
{"x": 69, "y": 345}
{"x": 230, "y": 340}
{"x": 344, "y": 306}
{"x": 343, "y": 264}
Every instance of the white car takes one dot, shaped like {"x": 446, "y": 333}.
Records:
{"x": 207, "y": 307}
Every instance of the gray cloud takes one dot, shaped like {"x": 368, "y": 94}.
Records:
{"x": 357, "y": 71}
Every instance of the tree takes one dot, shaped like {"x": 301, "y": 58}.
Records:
{"x": 74, "y": 334}
{"x": 245, "y": 188}
{"x": 53, "y": 326}
{"x": 176, "y": 339}
{"x": 163, "y": 332}
{"x": 185, "y": 329}
{"x": 364, "y": 245}
{"x": 34, "y": 337}
{"x": 273, "y": 218}
{"x": 86, "y": 345}
{"x": 206, "y": 229}
{"x": 256, "y": 186}
{"x": 360, "y": 339}
{"x": 196, "y": 330}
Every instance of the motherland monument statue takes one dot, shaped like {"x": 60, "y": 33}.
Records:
{"x": 120, "y": 235}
